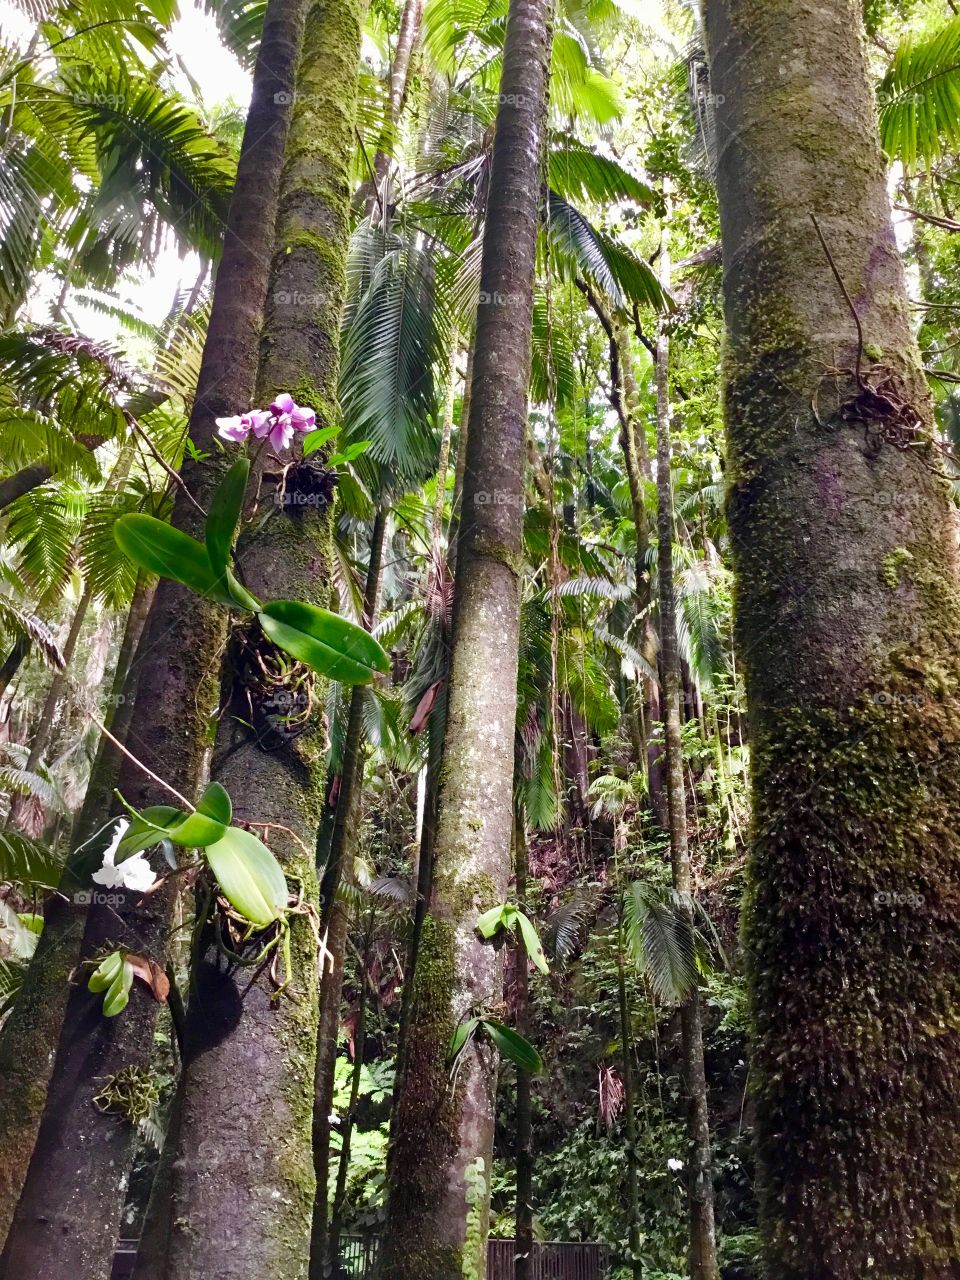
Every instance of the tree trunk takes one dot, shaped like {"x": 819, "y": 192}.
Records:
{"x": 703, "y": 1242}
{"x": 118, "y": 714}
{"x": 68, "y": 1216}
{"x": 242, "y": 1178}
{"x": 335, "y": 916}
{"x": 12, "y": 663}
{"x": 343, "y": 1168}
{"x": 629, "y": 1113}
{"x": 439, "y": 1164}
{"x": 523, "y": 1266}
{"x": 21, "y": 808}
{"x": 847, "y": 620}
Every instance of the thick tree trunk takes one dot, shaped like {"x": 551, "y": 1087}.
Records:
{"x": 68, "y": 1216}
{"x": 847, "y": 621}
{"x": 703, "y": 1242}
{"x": 242, "y": 1178}
{"x": 439, "y": 1164}
{"x": 335, "y": 916}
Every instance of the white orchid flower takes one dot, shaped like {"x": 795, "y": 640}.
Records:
{"x": 133, "y": 873}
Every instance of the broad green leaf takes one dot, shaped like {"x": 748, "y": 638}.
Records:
{"x": 215, "y": 803}
{"x": 531, "y": 940}
{"x": 240, "y": 595}
{"x": 462, "y": 1034}
{"x": 316, "y": 439}
{"x": 225, "y": 507}
{"x": 170, "y": 553}
{"x": 348, "y": 454}
{"x": 118, "y": 996}
{"x": 196, "y": 831}
{"x": 497, "y": 918}
{"x": 148, "y": 828}
{"x": 330, "y": 644}
{"x": 512, "y": 1045}
{"x": 106, "y": 972}
{"x": 250, "y": 877}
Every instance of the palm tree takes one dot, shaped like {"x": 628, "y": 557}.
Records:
{"x": 439, "y": 1164}
{"x": 178, "y": 686}
{"x": 847, "y": 606}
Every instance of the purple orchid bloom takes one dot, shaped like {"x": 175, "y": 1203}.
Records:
{"x": 283, "y": 404}
{"x": 234, "y": 429}
{"x": 303, "y": 419}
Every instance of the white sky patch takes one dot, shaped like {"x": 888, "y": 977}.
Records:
{"x": 199, "y": 54}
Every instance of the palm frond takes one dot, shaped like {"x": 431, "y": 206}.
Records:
{"x": 660, "y": 939}
{"x": 920, "y": 97}
{"x": 28, "y": 863}
{"x": 17, "y": 624}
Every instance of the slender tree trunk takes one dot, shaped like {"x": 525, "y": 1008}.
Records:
{"x": 20, "y": 810}
{"x": 523, "y": 1266}
{"x": 118, "y": 714}
{"x": 629, "y": 1114}
{"x": 703, "y": 1242}
{"x": 343, "y": 1168}
{"x": 68, "y": 1215}
{"x": 13, "y": 662}
{"x": 439, "y": 1164}
{"x": 335, "y": 916}
{"x": 242, "y": 1184}
{"x": 847, "y": 618}
{"x": 399, "y": 78}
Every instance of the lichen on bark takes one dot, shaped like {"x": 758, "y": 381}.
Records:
{"x": 847, "y": 613}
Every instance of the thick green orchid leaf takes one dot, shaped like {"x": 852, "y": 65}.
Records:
{"x": 170, "y": 553}
{"x": 249, "y": 876}
{"x": 224, "y": 515}
{"x": 512, "y": 1045}
{"x": 326, "y": 642}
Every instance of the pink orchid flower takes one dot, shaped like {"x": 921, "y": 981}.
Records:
{"x": 234, "y": 429}
{"x": 276, "y": 424}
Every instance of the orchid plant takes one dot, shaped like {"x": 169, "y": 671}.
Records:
{"x": 252, "y": 884}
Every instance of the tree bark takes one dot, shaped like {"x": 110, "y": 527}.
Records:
{"x": 703, "y": 1236}
{"x": 439, "y": 1164}
{"x": 335, "y": 916}
{"x": 118, "y": 714}
{"x": 242, "y": 1177}
{"x": 846, "y": 623}
{"x": 343, "y": 1168}
{"x": 523, "y": 1265}
{"x": 629, "y": 1113}
{"x": 67, "y": 1219}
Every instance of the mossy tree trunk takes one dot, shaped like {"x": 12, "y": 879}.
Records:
{"x": 441, "y": 1152}
{"x": 703, "y": 1236}
{"x": 847, "y": 623}
{"x": 68, "y": 1215}
{"x": 242, "y": 1180}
